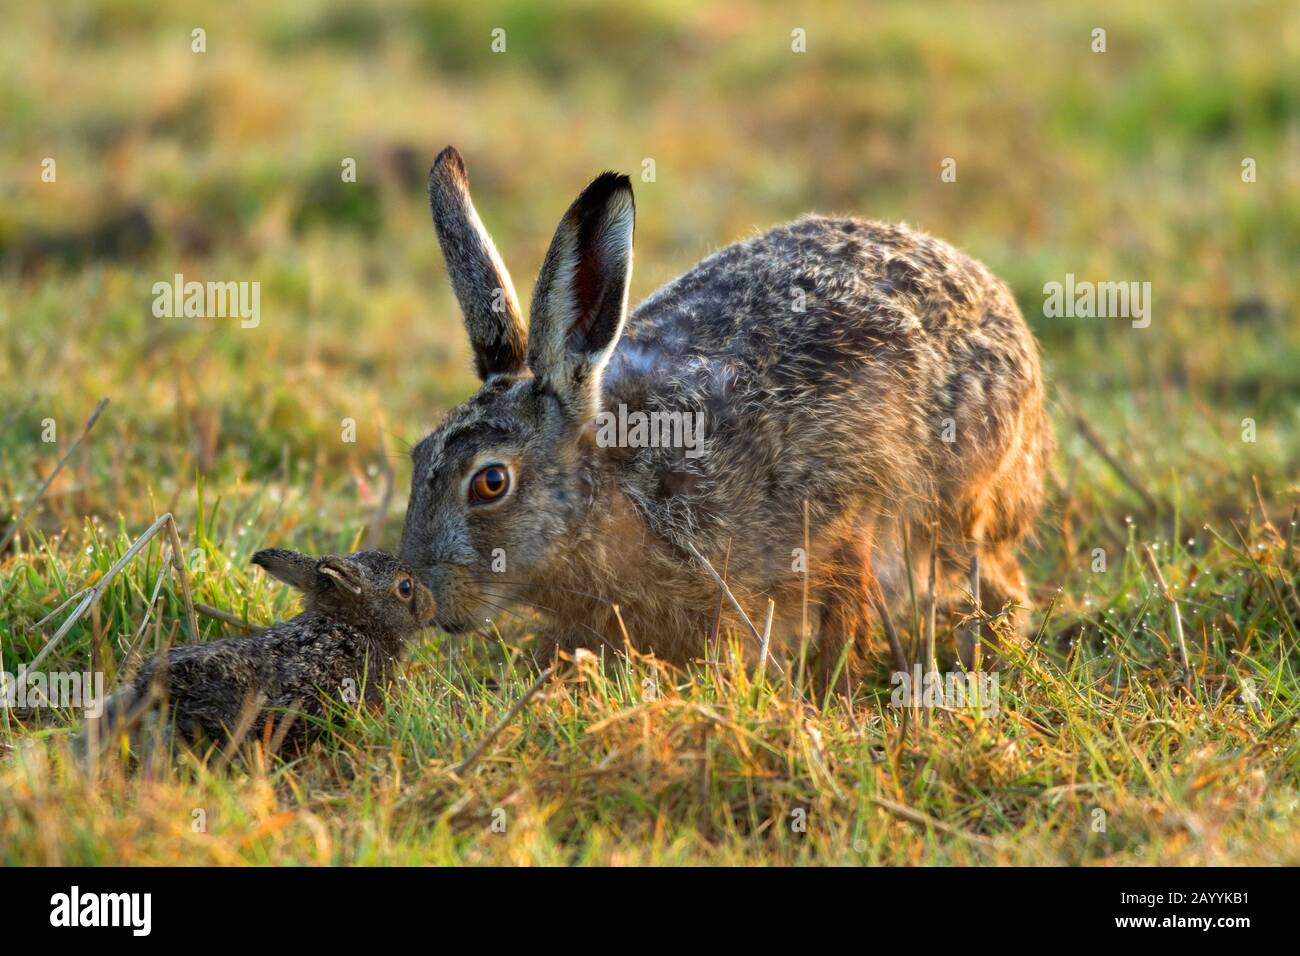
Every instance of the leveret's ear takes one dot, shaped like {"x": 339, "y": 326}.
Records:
{"x": 478, "y": 276}
{"x": 340, "y": 573}
{"x": 294, "y": 569}
{"x": 580, "y": 302}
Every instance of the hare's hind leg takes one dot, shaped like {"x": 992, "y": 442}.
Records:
{"x": 846, "y": 613}
{"x": 1001, "y": 588}
{"x": 997, "y": 515}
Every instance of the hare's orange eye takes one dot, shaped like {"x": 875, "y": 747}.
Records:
{"x": 490, "y": 483}
{"x": 404, "y": 587}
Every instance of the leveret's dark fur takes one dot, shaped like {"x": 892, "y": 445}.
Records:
{"x": 831, "y": 358}
{"x": 352, "y": 629}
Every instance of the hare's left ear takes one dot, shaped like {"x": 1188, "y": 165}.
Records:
{"x": 580, "y": 302}
{"x": 478, "y": 276}
{"x": 294, "y": 569}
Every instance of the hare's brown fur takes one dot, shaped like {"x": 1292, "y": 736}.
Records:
{"x": 872, "y": 371}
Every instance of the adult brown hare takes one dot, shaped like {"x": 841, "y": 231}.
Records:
{"x": 872, "y": 371}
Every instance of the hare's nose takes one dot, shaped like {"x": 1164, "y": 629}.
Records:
{"x": 426, "y": 607}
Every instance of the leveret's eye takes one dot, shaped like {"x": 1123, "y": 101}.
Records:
{"x": 490, "y": 483}
{"x": 404, "y": 587}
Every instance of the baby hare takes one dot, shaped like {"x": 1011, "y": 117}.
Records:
{"x": 359, "y": 612}
{"x": 867, "y": 372}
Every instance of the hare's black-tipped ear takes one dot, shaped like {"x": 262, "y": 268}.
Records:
{"x": 580, "y": 302}
{"x": 478, "y": 276}
{"x": 342, "y": 574}
{"x": 294, "y": 569}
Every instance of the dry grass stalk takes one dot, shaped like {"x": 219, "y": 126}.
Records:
{"x": 924, "y": 820}
{"x": 92, "y": 594}
{"x": 932, "y": 603}
{"x": 468, "y": 763}
{"x": 225, "y": 617}
{"x": 375, "y": 529}
{"x": 767, "y": 636}
{"x": 977, "y": 634}
{"x": 1178, "y": 617}
{"x": 891, "y": 634}
{"x": 1093, "y": 438}
{"x": 49, "y": 480}
{"x": 803, "y": 614}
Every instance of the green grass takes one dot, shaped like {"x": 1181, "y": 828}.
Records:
{"x": 1123, "y": 165}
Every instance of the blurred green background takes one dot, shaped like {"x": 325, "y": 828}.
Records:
{"x": 225, "y": 165}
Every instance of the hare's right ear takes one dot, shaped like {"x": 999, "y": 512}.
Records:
{"x": 294, "y": 569}
{"x": 478, "y": 276}
{"x": 341, "y": 572}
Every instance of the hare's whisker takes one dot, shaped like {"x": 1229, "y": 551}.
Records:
{"x": 505, "y": 610}
{"x": 552, "y": 587}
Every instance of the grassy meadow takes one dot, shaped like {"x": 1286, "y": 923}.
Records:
{"x": 1123, "y": 165}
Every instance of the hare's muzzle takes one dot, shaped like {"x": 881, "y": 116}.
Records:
{"x": 424, "y": 607}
